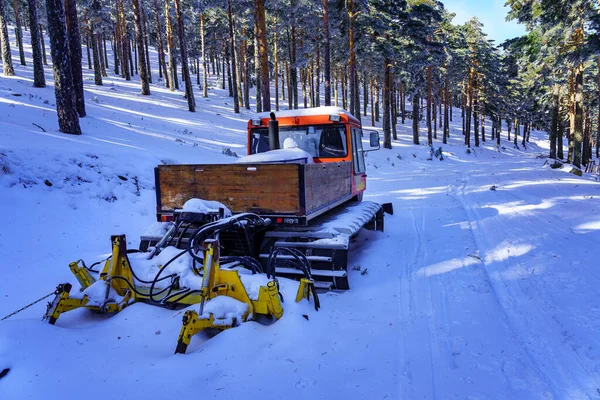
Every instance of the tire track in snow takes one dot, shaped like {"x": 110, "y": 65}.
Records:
{"x": 556, "y": 376}
{"x": 420, "y": 316}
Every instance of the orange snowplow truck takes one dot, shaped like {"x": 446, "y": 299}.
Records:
{"x": 313, "y": 201}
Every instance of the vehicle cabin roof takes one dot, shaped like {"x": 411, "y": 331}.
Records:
{"x": 305, "y": 116}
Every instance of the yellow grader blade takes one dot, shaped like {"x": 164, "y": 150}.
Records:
{"x": 120, "y": 290}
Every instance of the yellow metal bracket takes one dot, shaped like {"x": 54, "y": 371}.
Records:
{"x": 305, "y": 288}
{"x": 82, "y": 274}
{"x": 192, "y": 325}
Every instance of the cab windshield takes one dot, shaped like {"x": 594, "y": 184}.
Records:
{"x": 320, "y": 141}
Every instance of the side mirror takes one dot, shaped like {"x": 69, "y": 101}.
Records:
{"x": 374, "y": 139}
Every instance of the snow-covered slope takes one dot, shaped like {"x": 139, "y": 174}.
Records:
{"x": 483, "y": 285}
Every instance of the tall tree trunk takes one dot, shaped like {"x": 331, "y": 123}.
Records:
{"x": 571, "y": 116}
{"x": 161, "y": 49}
{"x": 416, "y": 118}
{"x": 336, "y": 87}
{"x": 387, "y": 134}
{"x": 598, "y": 125}
{"x": 227, "y": 67}
{"x": 283, "y": 73}
{"x": 402, "y": 102}
{"x": 311, "y": 84}
{"x": 440, "y": 97}
{"x": 434, "y": 117}
{"x": 101, "y": 56}
{"x": 68, "y": 120}
{"x": 119, "y": 34}
{"x": 257, "y": 67}
{"x": 18, "y": 31}
{"x": 105, "y": 51}
{"x": 244, "y": 59}
{"x": 126, "y": 63}
{"x": 203, "y": 55}
{"x": 113, "y": 46}
{"x": 376, "y": 103}
{"x": 139, "y": 40}
{"x": 353, "y": 76}
{"x": 263, "y": 51}
{"x": 559, "y": 139}
{"x": 189, "y": 91}
{"x": 132, "y": 45}
{"x": 344, "y": 85}
{"x": 303, "y": 79}
{"x": 476, "y": 109}
{"x": 499, "y": 129}
{"x": 429, "y": 100}
{"x": 236, "y": 103}
{"x": 578, "y": 133}
{"x": 170, "y": 47}
{"x": 357, "y": 95}
{"x": 95, "y": 55}
{"x": 318, "y": 75}
{"x": 587, "y": 136}
{"x": 5, "y": 43}
{"x": 289, "y": 85}
{"x": 372, "y": 106}
{"x": 446, "y": 113}
{"x": 238, "y": 66}
{"x": 469, "y": 110}
{"x": 392, "y": 104}
{"x": 39, "y": 80}
{"x": 146, "y": 44}
{"x": 276, "y": 65}
{"x": 482, "y": 121}
{"x": 326, "y": 54}
{"x": 43, "y": 43}
{"x": 365, "y": 94}
{"x": 554, "y": 123}
{"x": 293, "y": 66}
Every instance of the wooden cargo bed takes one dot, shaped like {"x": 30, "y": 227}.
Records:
{"x": 295, "y": 192}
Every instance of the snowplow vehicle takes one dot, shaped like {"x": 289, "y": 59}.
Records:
{"x": 226, "y": 232}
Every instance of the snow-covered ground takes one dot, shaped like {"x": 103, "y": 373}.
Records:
{"x": 483, "y": 286}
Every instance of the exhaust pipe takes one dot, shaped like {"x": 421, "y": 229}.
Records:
{"x": 273, "y": 133}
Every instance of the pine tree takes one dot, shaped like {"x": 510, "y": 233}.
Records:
{"x": 139, "y": 39}
{"x": 75, "y": 49}
{"x": 39, "y": 80}
{"x": 189, "y": 92}
{"x": 326, "y": 54}
{"x": 19, "y": 31}
{"x": 68, "y": 120}
{"x": 234, "y": 76}
{"x": 8, "y": 69}
{"x": 263, "y": 53}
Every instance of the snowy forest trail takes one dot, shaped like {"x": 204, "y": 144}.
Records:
{"x": 483, "y": 285}
{"x": 490, "y": 288}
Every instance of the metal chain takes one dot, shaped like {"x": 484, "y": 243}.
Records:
{"x": 27, "y": 306}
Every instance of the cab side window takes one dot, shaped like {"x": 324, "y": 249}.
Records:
{"x": 357, "y": 150}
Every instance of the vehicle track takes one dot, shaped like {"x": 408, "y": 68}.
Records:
{"x": 559, "y": 371}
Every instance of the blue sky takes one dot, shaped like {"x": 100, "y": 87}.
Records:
{"x": 491, "y": 13}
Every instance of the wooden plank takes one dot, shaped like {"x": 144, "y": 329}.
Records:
{"x": 261, "y": 188}
{"x": 326, "y": 183}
